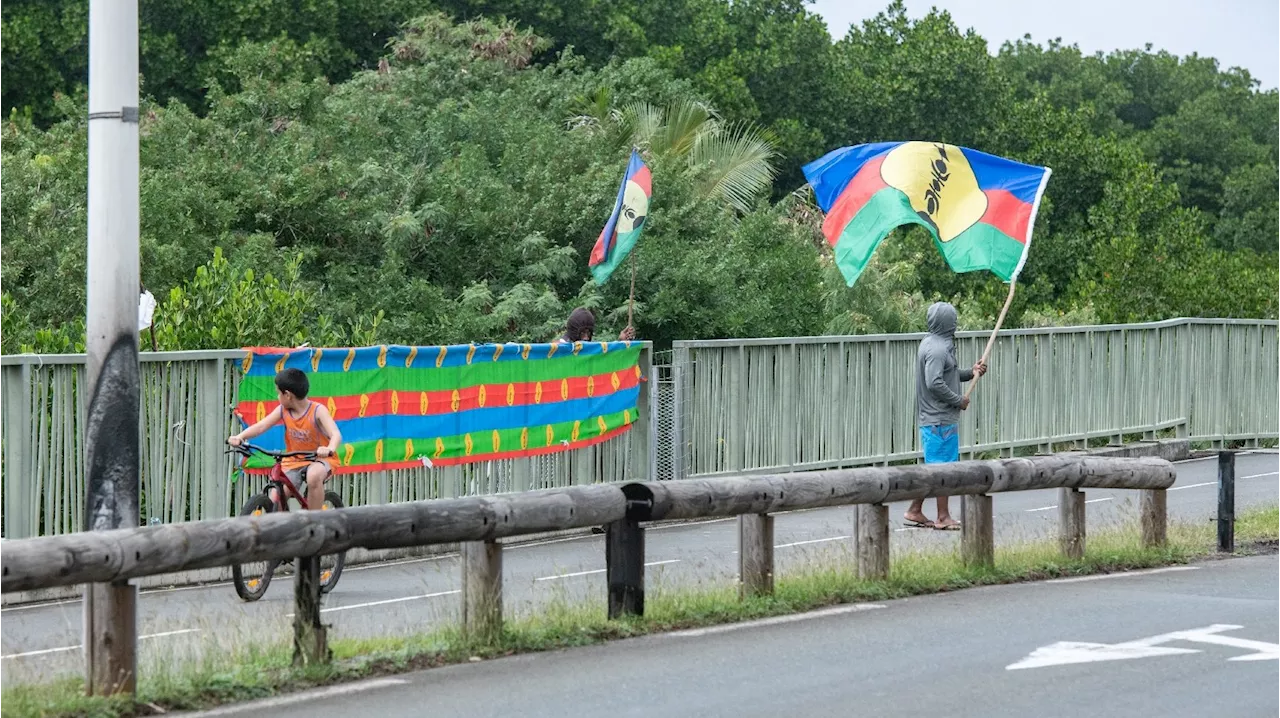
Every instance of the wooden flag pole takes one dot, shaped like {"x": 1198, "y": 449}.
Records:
{"x": 631, "y": 301}
{"x": 991, "y": 342}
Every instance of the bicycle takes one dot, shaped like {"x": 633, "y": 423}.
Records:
{"x": 251, "y": 582}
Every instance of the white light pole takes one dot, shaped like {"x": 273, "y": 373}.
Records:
{"x": 111, "y": 428}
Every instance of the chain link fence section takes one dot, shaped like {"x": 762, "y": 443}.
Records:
{"x": 665, "y": 415}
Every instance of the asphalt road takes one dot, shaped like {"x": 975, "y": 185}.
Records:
{"x": 1186, "y": 641}
{"x": 43, "y": 641}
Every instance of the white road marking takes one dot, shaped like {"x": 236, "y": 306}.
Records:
{"x": 803, "y": 543}
{"x": 1066, "y": 652}
{"x": 695, "y": 524}
{"x": 1264, "y": 651}
{"x": 1123, "y": 574}
{"x": 76, "y": 648}
{"x": 835, "y": 611}
{"x": 599, "y": 570}
{"x": 303, "y": 697}
{"x": 389, "y": 600}
{"x": 1192, "y": 486}
{"x": 1259, "y": 476}
{"x": 402, "y": 562}
{"x": 570, "y": 575}
{"x": 1089, "y": 501}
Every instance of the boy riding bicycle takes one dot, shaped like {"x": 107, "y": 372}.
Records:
{"x": 308, "y": 426}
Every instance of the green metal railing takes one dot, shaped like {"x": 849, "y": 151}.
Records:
{"x": 186, "y": 476}
{"x": 764, "y": 405}
{"x": 724, "y": 406}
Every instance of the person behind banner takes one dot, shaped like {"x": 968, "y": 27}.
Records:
{"x": 939, "y": 403}
{"x": 308, "y": 426}
{"x": 581, "y": 327}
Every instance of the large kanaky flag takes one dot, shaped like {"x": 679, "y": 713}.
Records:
{"x": 979, "y": 208}
{"x": 622, "y": 231}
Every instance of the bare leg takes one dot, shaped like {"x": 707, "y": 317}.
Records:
{"x": 317, "y": 473}
{"x": 915, "y": 513}
{"x": 944, "y": 514}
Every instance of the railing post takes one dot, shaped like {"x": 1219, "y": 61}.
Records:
{"x": 310, "y": 637}
{"x": 624, "y": 566}
{"x": 648, "y": 412}
{"x": 1071, "y": 522}
{"x": 680, "y": 377}
{"x": 482, "y": 588}
{"x": 977, "y": 532}
{"x": 17, "y": 488}
{"x": 1227, "y": 501}
{"x": 212, "y": 421}
{"x": 873, "y": 541}
{"x": 755, "y": 555}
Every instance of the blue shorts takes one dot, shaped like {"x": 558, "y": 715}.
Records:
{"x": 941, "y": 443}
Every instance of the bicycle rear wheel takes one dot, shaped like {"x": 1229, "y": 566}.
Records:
{"x": 331, "y": 565}
{"x": 251, "y": 579}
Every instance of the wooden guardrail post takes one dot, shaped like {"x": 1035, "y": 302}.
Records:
{"x": 111, "y": 638}
{"x": 310, "y": 636}
{"x": 755, "y": 555}
{"x": 1071, "y": 522}
{"x": 977, "y": 531}
{"x": 873, "y": 541}
{"x": 624, "y": 567}
{"x": 1155, "y": 518}
{"x": 482, "y": 588}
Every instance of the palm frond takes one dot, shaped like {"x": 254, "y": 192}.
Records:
{"x": 591, "y": 112}
{"x": 639, "y": 123}
{"x": 735, "y": 163}
{"x": 682, "y": 126}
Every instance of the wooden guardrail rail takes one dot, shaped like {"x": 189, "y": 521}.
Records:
{"x": 478, "y": 522}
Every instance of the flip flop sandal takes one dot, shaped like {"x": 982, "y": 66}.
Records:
{"x": 948, "y": 527}
{"x": 918, "y": 524}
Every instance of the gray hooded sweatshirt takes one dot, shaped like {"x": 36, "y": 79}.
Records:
{"x": 938, "y": 376}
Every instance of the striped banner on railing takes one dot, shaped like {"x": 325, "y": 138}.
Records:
{"x": 402, "y": 406}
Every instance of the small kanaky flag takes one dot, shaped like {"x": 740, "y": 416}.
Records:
{"x": 623, "y": 228}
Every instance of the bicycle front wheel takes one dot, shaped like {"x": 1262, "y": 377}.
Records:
{"x": 251, "y": 579}
{"x": 331, "y": 565}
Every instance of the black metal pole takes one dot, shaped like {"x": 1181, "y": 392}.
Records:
{"x": 624, "y": 561}
{"x": 1226, "y": 501}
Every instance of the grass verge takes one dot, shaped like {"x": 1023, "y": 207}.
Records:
{"x": 265, "y": 671}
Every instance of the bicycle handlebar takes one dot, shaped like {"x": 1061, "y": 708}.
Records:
{"x": 245, "y": 448}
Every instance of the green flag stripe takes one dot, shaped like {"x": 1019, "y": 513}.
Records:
{"x": 982, "y": 246}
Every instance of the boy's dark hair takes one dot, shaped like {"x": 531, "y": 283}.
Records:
{"x": 293, "y": 381}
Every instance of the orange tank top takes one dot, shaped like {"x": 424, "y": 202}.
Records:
{"x": 303, "y": 434}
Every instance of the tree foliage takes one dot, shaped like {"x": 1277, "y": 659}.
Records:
{"x": 454, "y": 175}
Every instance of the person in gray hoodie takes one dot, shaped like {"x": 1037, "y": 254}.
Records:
{"x": 939, "y": 403}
